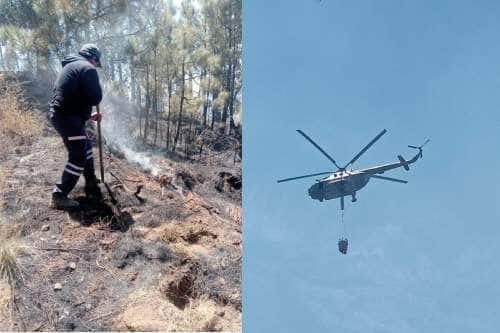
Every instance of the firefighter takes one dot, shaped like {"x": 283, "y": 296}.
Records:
{"x": 76, "y": 90}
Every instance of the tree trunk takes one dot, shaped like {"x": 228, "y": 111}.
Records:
{"x": 155, "y": 101}
{"x": 120, "y": 75}
{"x": 148, "y": 104}
{"x": 112, "y": 70}
{"x": 214, "y": 110}
{"x": 169, "y": 113}
{"x": 139, "y": 102}
{"x": 206, "y": 102}
{"x": 179, "y": 122}
{"x": 133, "y": 97}
{"x": 232, "y": 92}
{"x": 189, "y": 136}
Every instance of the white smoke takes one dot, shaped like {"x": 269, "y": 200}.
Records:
{"x": 119, "y": 130}
{"x": 237, "y": 118}
{"x": 142, "y": 159}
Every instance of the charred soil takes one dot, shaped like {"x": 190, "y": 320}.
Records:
{"x": 170, "y": 261}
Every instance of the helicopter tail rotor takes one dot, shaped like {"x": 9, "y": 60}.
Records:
{"x": 419, "y": 148}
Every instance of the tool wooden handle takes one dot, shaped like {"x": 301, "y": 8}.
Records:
{"x": 99, "y": 143}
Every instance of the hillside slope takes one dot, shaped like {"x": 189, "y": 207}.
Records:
{"x": 172, "y": 263}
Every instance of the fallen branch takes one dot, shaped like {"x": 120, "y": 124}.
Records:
{"x": 122, "y": 185}
{"x": 107, "y": 270}
{"x": 104, "y": 315}
{"x": 132, "y": 180}
{"x": 124, "y": 179}
{"x": 138, "y": 190}
{"x": 38, "y": 328}
{"x": 63, "y": 249}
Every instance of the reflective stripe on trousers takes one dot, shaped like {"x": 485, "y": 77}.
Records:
{"x": 79, "y": 147}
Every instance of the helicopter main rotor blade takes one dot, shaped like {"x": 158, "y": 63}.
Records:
{"x": 318, "y": 147}
{"x": 365, "y": 148}
{"x": 305, "y": 176}
{"x": 389, "y": 178}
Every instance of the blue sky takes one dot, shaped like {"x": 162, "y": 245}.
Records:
{"x": 422, "y": 256}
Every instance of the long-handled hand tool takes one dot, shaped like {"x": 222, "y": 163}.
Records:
{"x": 99, "y": 143}
{"x": 112, "y": 203}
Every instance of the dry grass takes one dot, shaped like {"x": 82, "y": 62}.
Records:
{"x": 10, "y": 276}
{"x": 10, "y": 249}
{"x": 151, "y": 312}
{"x": 169, "y": 233}
{"x": 3, "y": 174}
{"x": 16, "y": 116}
{"x": 3, "y": 183}
{"x": 5, "y": 306}
{"x": 191, "y": 233}
{"x": 177, "y": 235}
{"x": 201, "y": 314}
{"x": 234, "y": 212}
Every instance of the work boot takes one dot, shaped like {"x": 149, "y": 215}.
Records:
{"x": 92, "y": 190}
{"x": 62, "y": 202}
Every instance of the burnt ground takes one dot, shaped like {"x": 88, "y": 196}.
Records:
{"x": 172, "y": 262}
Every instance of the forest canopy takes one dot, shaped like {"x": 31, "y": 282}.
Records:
{"x": 177, "y": 62}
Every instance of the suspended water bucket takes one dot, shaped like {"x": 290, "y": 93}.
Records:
{"x": 343, "y": 244}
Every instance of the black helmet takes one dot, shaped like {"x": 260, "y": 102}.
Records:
{"x": 91, "y": 51}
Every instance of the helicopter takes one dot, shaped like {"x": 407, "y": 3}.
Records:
{"x": 343, "y": 182}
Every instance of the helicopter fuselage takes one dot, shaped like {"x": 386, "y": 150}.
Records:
{"x": 343, "y": 182}
{"x": 338, "y": 184}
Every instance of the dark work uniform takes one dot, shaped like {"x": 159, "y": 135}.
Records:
{"x": 76, "y": 90}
